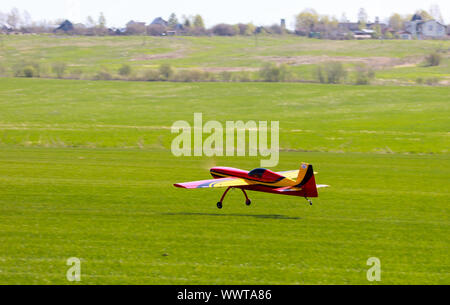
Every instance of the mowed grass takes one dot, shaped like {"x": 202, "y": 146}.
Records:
{"x": 86, "y": 171}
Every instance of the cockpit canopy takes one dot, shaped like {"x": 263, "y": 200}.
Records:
{"x": 263, "y": 174}
{"x": 257, "y": 172}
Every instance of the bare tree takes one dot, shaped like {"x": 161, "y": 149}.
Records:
{"x": 344, "y": 18}
{"x": 102, "y": 20}
{"x": 2, "y": 17}
{"x": 435, "y": 11}
{"x": 13, "y": 18}
{"x": 136, "y": 28}
{"x": 100, "y": 29}
{"x": 27, "y": 21}
{"x": 224, "y": 30}
{"x": 155, "y": 29}
{"x": 362, "y": 18}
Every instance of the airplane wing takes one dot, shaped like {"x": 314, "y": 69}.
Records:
{"x": 222, "y": 182}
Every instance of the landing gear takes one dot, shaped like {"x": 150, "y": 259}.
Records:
{"x": 247, "y": 201}
{"x": 309, "y": 200}
{"x": 220, "y": 205}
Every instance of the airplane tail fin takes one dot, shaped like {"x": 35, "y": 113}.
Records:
{"x": 306, "y": 180}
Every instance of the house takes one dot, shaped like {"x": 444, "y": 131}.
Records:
{"x": 5, "y": 28}
{"x": 117, "y": 31}
{"x": 425, "y": 29}
{"x": 361, "y": 31}
{"x": 160, "y": 21}
{"x": 363, "y": 34}
{"x": 348, "y": 26}
{"x": 433, "y": 28}
{"x": 404, "y": 35}
{"x": 133, "y": 23}
{"x": 179, "y": 29}
{"x": 65, "y": 26}
{"x": 135, "y": 27}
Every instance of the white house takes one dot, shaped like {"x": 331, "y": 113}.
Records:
{"x": 433, "y": 28}
{"x": 430, "y": 28}
{"x": 5, "y": 27}
{"x": 404, "y": 35}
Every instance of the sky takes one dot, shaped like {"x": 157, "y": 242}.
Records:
{"x": 260, "y": 12}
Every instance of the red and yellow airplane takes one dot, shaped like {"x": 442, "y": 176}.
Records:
{"x": 295, "y": 183}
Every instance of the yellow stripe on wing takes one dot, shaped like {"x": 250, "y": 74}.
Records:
{"x": 231, "y": 182}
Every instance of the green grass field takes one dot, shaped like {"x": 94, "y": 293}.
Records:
{"x": 395, "y": 61}
{"x": 86, "y": 171}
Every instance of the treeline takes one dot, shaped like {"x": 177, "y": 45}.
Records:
{"x": 16, "y": 21}
{"x": 307, "y": 23}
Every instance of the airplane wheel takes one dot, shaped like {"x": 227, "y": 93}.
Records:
{"x": 248, "y": 202}
{"x": 219, "y": 205}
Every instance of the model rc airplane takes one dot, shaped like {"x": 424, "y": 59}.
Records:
{"x": 295, "y": 183}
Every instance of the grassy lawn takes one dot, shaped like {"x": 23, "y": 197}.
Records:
{"x": 86, "y": 56}
{"x": 86, "y": 171}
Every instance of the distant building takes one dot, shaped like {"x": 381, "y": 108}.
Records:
{"x": 160, "y": 21}
{"x": 404, "y": 35}
{"x": 132, "y": 23}
{"x": 363, "y": 34}
{"x": 348, "y": 26}
{"x": 65, "y": 26}
{"x": 5, "y": 27}
{"x": 135, "y": 28}
{"x": 179, "y": 30}
{"x": 361, "y": 31}
{"x": 117, "y": 31}
{"x": 423, "y": 29}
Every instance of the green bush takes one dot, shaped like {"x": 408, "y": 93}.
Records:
{"x": 320, "y": 74}
{"x": 76, "y": 74}
{"x": 331, "y": 73}
{"x": 151, "y": 75}
{"x": 125, "y": 70}
{"x": 243, "y": 76}
{"x": 193, "y": 75}
{"x": 270, "y": 72}
{"x": 103, "y": 75}
{"x": 59, "y": 68}
{"x": 26, "y": 70}
{"x": 226, "y": 76}
{"x": 432, "y": 81}
{"x": 364, "y": 75}
{"x": 29, "y": 71}
{"x": 166, "y": 71}
{"x": 434, "y": 59}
